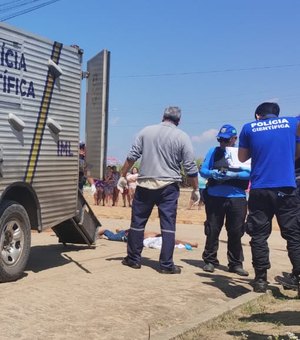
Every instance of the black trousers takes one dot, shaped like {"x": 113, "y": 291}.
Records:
{"x": 217, "y": 209}
{"x": 263, "y": 204}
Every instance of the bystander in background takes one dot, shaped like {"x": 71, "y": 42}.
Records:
{"x": 115, "y": 176}
{"x": 131, "y": 178}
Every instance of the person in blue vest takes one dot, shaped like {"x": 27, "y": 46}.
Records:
{"x": 271, "y": 143}
{"x": 225, "y": 198}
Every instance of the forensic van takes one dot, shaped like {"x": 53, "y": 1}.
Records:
{"x": 40, "y": 91}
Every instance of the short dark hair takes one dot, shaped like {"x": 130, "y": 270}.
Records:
{"x": 267, "y": 108}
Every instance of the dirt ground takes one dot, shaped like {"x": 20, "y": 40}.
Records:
{"x": 184, "y": 215}
{"x": 75, "y": 292}
{"x": 275, "y": 316}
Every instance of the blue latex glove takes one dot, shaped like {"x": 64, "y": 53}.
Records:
{"x": 244, "y": 168}
{"x": 230, "y": 175}
{"x": 188, "y": 247}
{"x": 217, "y": 175}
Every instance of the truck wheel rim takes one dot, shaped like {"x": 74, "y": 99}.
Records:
{"x": 12, "y": 240}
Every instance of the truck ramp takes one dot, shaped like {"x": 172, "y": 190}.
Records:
{"x": 82, "y": 228}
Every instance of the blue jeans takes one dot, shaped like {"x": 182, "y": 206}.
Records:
{"x": 119, "y": 236}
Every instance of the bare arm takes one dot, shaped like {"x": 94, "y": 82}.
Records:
{"x": 193, "y": 181}
{"x": 192, "y": 244}
{"x": 128, "y": 164}
{"x": 90, "y": 180}
{"x": 243, "y": 154}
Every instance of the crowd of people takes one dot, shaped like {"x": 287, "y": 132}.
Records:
{"x": 106, "y": 191}
{"x": 243, "y": 197}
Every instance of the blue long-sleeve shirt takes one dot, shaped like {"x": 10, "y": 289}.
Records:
{"x": 222, "y": 189}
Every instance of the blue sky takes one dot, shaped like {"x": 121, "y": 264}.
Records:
{"x": 217, "y": 60}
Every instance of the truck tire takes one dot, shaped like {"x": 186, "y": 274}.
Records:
{"x": 15, "y": 240}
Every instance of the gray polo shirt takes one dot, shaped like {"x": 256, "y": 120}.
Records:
{"x": 163, "y": 148}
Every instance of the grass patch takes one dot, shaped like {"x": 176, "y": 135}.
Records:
{"x": 261, "y": 319}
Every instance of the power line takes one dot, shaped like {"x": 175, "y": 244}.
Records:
{"x": 31, "y": 9}
{"x": 206, "y": 72}
{"x": 10, "y": 2}
{"x": 14, "y": 7}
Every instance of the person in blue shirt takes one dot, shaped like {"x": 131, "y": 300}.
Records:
{"x": 271, "y": 143}
{"x": 225, "y": 198}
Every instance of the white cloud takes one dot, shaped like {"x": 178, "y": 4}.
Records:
{"x": 205, "y": 136}
{"x": 114, "y": 121}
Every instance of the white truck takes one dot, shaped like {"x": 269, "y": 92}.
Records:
{"x": 40, "y": 90}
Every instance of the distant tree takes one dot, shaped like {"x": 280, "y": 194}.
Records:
{"x": 199, "y": 161}
{"x": 185, "y": 183}
{"x": 137, "y": 164}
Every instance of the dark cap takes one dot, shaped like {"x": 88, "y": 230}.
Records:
{"x": 227, "y": 131}
{"x": 173, "y": 113}
{"x": 267, "y": 108}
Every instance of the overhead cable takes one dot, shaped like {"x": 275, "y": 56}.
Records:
{"x": 11, "y": 7}
{"x": 9, "y": 3}
{"x": 31, "y": 9}
{"x": 206, "y": 72}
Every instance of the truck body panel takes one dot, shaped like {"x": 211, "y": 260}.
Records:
{"x": 40, "y": 91}
{"x": 37, "y": 155}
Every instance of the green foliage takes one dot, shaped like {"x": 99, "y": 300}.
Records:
{"x": 137, "y": 164}
{"x": 185, "y": 182}
{"x": 199, "y": 161}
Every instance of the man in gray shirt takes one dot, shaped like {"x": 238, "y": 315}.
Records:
{"x": 163, "y": 148}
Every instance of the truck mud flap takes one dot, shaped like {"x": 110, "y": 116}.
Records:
{"x": 81, "y": 229}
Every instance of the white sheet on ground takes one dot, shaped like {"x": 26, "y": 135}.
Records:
{"x": 156, "y": 242}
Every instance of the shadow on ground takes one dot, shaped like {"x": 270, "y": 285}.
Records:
{"x": 145, "y": 262}
{"x": 286, "y": 318}
{"x": 249, "y": 335}
{"x": 50, "y": 256}
{"x": 232, "y": 287}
